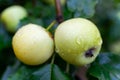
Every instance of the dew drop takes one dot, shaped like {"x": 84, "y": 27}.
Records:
{"x": 78, "y": 41}
{"x": 99, "y": 41}
{"x": 69, "y": 50}
{"x": 62, "y": 54}
{"x": 57, "y": 50}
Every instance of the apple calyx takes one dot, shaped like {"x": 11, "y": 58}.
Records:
{"x": 89, "y": 52}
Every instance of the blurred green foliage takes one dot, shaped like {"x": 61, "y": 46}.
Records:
{"x": 104, "y": 13}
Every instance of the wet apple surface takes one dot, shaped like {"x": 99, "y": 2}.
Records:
{"x": 32, "y": 44}
{"x": 78, "y": 41}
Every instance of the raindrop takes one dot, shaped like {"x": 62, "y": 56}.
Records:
{"x": 57, "y": 50}
{"x": 62, "y": 54}
{"x": 78, "y": 41}
{"x": 99, "y": 41}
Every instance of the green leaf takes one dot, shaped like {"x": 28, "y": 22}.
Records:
{"x": 57, "y": 74}
{"x": 49, "y": 72}
{"x": 9, "y": 70}
{"x": 44, "y": 73}
{"x": 106, "y": 67}
{"x": 23, "y": 73}
{"x": 5, "y": 39}
{"x": 82, "y": 8}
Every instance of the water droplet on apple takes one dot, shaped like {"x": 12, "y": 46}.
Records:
{"x": 69, "y": 50}
{"x": 78, "y": 40}
{"x": 99, "y": 41}
{"x": 62, "y": 54}
{"x": 57, "y": 50}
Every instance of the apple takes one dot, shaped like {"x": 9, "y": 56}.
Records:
{"x": 78, "y": 41}
{"x": 11, "y": 17}
{"x": 52, "y": 2}
{"x": 32, "y": 44}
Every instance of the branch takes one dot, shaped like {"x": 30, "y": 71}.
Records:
{"x": 59, "y": 16}
{"x": 34, "y": 3}
{"x": 81, "y": 73}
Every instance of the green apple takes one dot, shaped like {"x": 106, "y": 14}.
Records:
{"x": 78, "y": 41}
{"x": 32, "y": 44}
{"x": 12, "y": 15}
{"x": 52, "y": 2}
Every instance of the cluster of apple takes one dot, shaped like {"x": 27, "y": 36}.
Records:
{"x": 77, "y": 40}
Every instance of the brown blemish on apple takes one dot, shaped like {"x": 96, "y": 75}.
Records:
{"x": 89, "y": 52}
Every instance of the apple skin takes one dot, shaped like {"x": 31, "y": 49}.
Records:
{"x": 32, "y": 44}
{"x": 11, "y": 17}
{"x": 52, "y": 2}
{"x": 78, "y": 41}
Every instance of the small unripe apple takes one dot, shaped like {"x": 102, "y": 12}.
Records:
{"x": 52, "y": 2}
{"x": 12, "y": 15}
{"x": 78, "y": 41}
{"x": 32, "y": 44}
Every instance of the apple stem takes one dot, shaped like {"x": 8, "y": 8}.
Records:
{"x": 81, "y": 73}
{"x": 34, "y": 2}
{"x": 51, "y": 25}
{"x": 53, "y": 58}
{"x": 67, "y": 68}
{"x": 59, "y": 16}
